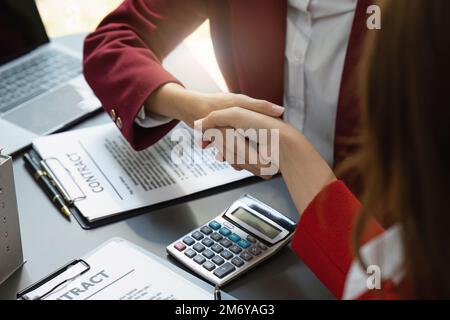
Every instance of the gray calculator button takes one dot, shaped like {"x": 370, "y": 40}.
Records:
{"x": 216, "y": 237}
{"x": 235, "y": 249}
{"x": 189, "y": 241}
{"x": 218, "y": 260}
{"x": 255, "y": 251}
{"x": 246, "y": 256}
{"x": 224, "y": 270}
{"x": 208, "y": 254}
{"x": 206, "y": 230}
{"x": 226, "y": 243}
{"x": 227, "y": 254}
{"x": 208, "y": 265}
{"x": 262, "y": 246}
{"x": 251, "y": 239}
{"x": 217, "y": 248}
{"x": 229, "y": 225}
{"x": 199, "y": 259}
{"x": 237, "y": 262}
{"x": 190, "y": 253}
{"x": 207, "y": 242}
{"x": 199, "y": 247}
{"x": 197, "y": 236}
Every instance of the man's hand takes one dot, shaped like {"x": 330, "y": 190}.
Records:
{"x": 245, "y": 139}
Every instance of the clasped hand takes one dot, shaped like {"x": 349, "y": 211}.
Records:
{"x": 246, "y": 135}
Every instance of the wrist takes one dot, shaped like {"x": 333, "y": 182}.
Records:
{"x": 174, "y": 101}
{"x": 304, "y": 170}
{"x": 290, "y": 139}
{"x": 189, "y": 106}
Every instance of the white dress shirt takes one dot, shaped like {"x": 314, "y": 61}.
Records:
{"x": 386, "y": 253}
{"x": 316, "y": 43}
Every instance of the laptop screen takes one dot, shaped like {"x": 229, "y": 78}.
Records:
{"x": 21, "y": 28}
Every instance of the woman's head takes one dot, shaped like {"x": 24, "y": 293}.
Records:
{"x": 405, "y": 159}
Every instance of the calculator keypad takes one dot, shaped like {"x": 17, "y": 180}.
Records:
{"x": 190, "y": 253}
{"x": 225, "y": 231}
{"x": 238, "y": 262}
{"x": 226, "y": 254}
{"x": 244, "y": 243}
{"x": 234, "y": 237}
{"x": 246, "y": 256}
{"x": 189, "y": 241}
{"x": 206, "y": 230}
{"x": 225, "y": 243}
{"x": 180, "y": 246}
{"x": 214, "y": 225}
{"x": 208, "y": 254}
{"x": 199, "y": 247}
{"x": 255, "y": 251}
{"x": 218, "y": 260}
{"x": 208, "y": 265}
{"x": 224, "y": 270}
{"x": 219, "y": 250}
{"x": 197, "y": 236}
{"x": 199, "y": 259}
{"x": 216, "y": 237}
{"x": 235, "y": 249}
{"x": 207, "y": 242}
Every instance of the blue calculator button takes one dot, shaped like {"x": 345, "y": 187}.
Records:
{"x": 234, "y": 237}
{"x": 225, "y": 231}
{"x": 214, "y": 225}
{"x": 243, "y": 243}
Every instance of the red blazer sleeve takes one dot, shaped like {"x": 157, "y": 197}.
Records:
{"x": 122, "y": 58}
{"x": 323, "y": 238}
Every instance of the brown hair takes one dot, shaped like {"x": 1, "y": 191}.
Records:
{"x": 404, "y": 159}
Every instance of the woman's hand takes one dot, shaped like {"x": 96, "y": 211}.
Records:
{"x": 305, "y": 172}
{"x": 174, "y": 101}
{"x": 245, "y": 139}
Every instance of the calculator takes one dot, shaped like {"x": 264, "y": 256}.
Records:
{"x": 243, "y": 236}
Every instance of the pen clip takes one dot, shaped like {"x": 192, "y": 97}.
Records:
{"x": 50, "y": 168}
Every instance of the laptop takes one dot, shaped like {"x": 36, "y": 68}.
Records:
{"x": 42, "y": 89}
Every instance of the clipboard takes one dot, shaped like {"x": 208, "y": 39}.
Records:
{"x": 88, "y": 225}
{"x": 87, "y": 267}
{"x": 40, "y": 283}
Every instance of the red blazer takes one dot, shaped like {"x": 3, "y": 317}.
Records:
{"x": 323, "y": 239}
{"x": 122, "y": 58}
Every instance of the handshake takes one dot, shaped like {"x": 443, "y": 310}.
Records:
{"x": 245, "y": 131}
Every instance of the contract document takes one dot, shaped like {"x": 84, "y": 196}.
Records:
{"x": 120, "y": 270}
{"x": 99, "y": 172}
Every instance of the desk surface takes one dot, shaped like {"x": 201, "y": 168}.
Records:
{"x": 49, "y": 241}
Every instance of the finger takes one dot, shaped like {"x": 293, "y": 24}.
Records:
{"x": 260, "y": 106}
{"x": 234, "y": 148}
{"x": 237, "y": 118}
{"x": 252, "y": 169}
{"x": 244, "y": 154}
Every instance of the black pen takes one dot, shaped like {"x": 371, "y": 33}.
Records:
{"x": 217, "y": 295}
{"x": 46, "y": 184}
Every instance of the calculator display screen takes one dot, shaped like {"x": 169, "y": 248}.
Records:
{"x": 257, "y": 223}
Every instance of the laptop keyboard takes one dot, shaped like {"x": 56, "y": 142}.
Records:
{"x": 45, "y": 71}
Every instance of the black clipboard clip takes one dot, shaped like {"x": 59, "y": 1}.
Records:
{"x": 21, "y": 295}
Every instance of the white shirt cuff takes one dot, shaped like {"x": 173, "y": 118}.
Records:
{"x": 150, "y": 120}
